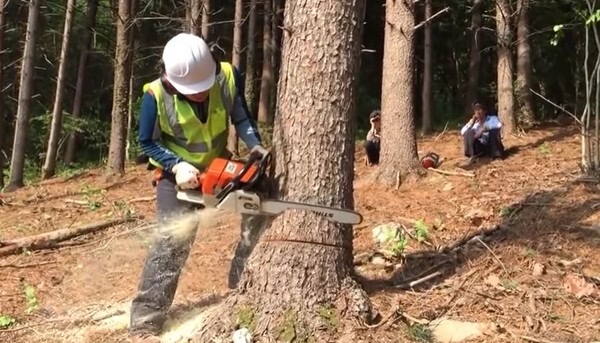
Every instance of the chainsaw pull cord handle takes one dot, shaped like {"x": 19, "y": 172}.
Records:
{"x": 235, "y": 182}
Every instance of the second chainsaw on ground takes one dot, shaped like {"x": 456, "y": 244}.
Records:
{"x": 235, "y": 186}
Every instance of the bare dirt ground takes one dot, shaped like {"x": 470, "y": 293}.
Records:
{"x": 534, "y": 277}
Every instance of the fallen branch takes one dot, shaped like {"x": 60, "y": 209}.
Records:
{"x": 50, "y": 239}
{"x": 69, "y": 320}
{"x": 446, "y": 249}
{"x": 142, "y": 199}
{"x": 26, "y": 265}
{"x": 453, "y": 173}
{"x": 77, "y": 202}
{"x": 419, "y": 281}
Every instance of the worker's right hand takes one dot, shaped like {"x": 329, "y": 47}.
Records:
{"x": 186, "y": 175}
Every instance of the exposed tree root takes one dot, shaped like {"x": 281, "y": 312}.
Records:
{"x": 273, "y": 318}
{"x": 395, "y": 175}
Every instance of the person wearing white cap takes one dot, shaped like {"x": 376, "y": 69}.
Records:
{"x": 183, "y": 126}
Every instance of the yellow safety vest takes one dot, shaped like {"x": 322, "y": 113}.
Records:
{"x": 180, "y": 130}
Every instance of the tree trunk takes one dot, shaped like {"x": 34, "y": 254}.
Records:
{"x": 56, "y": 126}
{"x": 232, "y": 141}
{"x": 475, "y": 57}
{"x": 118, "y": 131}
{"x": 506, "y": 99}
{"x": 266, "y": 82}
{"x": 2, "y": 109}
{"x": 131, "y": 58}
{"x": 398, "y": 142}
{"x": 276, "y": 50}
{"x": 251, "y": 59}
{"x": 206, "y": 11}
{"x": 86, "y": 41}
{"x": 237, "y": 34}
{"x": 17, "y": 162}
{"x": 194, "y": 9}
{"x": 526, "y": 116}
{"x": 427, "y": 73}
{"x": 303, "y": 263}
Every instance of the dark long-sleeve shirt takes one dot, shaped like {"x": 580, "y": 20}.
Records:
{"x": 240, "y": 118}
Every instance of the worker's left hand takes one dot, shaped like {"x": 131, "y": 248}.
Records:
{"x": 259, "y": 152}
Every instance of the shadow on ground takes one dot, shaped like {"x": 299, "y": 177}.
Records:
{"x": 540, "y": 222}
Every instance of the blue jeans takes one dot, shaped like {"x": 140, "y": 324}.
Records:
{"x": 168, "y": 255}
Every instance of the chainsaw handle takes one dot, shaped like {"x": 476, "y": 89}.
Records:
{"x": 235, "y": 182}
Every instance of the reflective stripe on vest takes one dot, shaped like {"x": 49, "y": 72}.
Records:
{"x": 179, "y": 128}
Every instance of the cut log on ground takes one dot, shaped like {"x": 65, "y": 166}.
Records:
{"x": 452, "y": 173}
{"x": 49, "y": 240}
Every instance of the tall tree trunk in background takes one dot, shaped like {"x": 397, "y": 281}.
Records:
{"x": 2, "y": 109}
{"x": 315, "y": 275}
{"x": 17, "y": 163}
{"x": 399, "y": 155}
{"x": 266, "y": 82}
{"x": 237, "y": 34}
{"x": 131, "y": 61}
{"x": 475, "y": 57}
{"x": 276, "y": 21}
{"x": 86, "y": 42}
{"x": 56, "y": 125}
{"x": 426, "y": 95}
{"x": 506, "y": 98}
{"x": 122, "y": 66}
{"x": 236, "y": 59}
{"x": 526, "y": 117}
{"x": 250, "y": 76}
{"x": 194, "y": 11}
{"x": 206, "y": 12}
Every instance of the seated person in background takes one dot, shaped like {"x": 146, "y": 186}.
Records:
{"x": 372, "y": 144}
{"x": 481, "y": 135}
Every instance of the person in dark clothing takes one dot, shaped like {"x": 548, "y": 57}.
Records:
{"x": 481, "y": 135}
{"x": 373, "y": 143}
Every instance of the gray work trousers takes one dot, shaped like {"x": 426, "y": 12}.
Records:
{"x": 169, "y": 253}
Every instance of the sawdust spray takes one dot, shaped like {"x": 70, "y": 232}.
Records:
{"x": 182, "y": 226}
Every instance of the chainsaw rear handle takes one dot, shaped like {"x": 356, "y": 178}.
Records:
{"x": 235, "y": 183}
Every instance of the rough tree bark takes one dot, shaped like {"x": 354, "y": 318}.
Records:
{"x": 236, "y": 59}
{"x": 506, "y": 98}
{"x": 2, "y": 109}
{"x": 399, "y": 157}
{"x": 122, "y": 64}
{"x": 17, "y": 162}
{"x": 206, "y": 11}
{"x": 475, "y": 57}
{"x": 266, "y": 82}
{"x": 251, "y": 59}
{"x": 86, "y": 41}
{"x": 426, "y": 96}
{"x": 276, "y": 50}
{"x": 303, "y": 263}
{"x": 194, "y": 16}
{"x": 526, "y": 117}
{"x": 130, "y": 61}
{"x": 49, "y": 167}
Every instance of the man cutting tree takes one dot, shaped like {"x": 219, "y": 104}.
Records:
{"x": 183, "y": 126}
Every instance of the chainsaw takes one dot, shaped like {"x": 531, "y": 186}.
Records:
{"x": 238, "y": 186}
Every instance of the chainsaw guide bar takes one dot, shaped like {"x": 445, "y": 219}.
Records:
{"x": 228, "y": 185}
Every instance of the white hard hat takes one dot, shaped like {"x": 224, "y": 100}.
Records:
{"x": 189, "y": 65}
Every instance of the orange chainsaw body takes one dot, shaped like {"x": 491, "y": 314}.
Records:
{"x": 220, "y": 172}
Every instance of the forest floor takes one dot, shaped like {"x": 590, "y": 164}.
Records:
{"x": 532, "y": 279}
